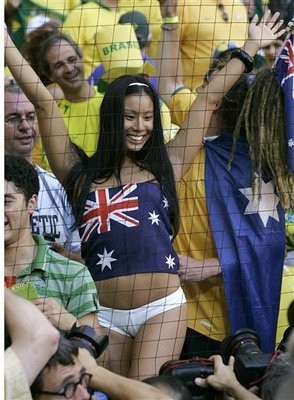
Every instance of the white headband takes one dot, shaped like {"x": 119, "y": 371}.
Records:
{"x": 138, "y": 84}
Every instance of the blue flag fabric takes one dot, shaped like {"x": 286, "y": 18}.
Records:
{"x": 249, "y": 234}
{"x": 284, "y": 72}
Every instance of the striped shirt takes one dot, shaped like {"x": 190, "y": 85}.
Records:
{"x": 62, "y": 279}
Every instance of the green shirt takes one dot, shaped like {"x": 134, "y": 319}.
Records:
{"x": 62, "y": 279}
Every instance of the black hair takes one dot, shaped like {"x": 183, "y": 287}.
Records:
{"x": 23, "y": 175}
{"x": 66, "y": 354}
{"x": 232, "y": 102}
{"x": 111, "y": 150}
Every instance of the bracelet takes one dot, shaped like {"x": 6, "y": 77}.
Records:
{"x": 169, "y": 27}
{"x": 171, "y": 20}
{"x": 243, "y": 56}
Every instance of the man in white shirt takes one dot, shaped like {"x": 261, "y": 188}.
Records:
{"x": 53, "y": 218}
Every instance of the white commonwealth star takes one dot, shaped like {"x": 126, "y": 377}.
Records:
{"x": 290, "y": 143}
{"x": 165, "y": 202}
{"x": 265, "y": 206}
{"x": 154, "y": 218}
{"x": 105, "y": 259}
{"x": 170, "y": 261}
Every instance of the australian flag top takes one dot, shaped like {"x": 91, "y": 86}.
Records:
{"x": 249, "y": 234}
{"x": 126, "y": 230}
{"x": 284, "y": 72}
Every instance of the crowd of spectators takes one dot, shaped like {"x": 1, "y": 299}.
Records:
{"x": 147, "y": 195}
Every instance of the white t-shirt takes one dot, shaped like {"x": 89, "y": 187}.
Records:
{"x": 54, "y": 218}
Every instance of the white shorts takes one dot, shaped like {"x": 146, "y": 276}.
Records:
{"x": 128, "y": 322}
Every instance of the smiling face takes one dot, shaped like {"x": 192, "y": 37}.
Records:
{"x": 21, "y": 126}
{"x": 138, "y": 120}
{"x": 66, "y": 66}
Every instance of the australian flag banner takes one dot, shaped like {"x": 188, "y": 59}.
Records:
{"x": 284, "y": 72}
{"x": 249, "y": 233}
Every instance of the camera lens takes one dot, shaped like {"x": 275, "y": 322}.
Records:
{"x": 244, "y": 341}
{"x": 250, "y": 361}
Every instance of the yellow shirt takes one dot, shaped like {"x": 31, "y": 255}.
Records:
{"x": 207, "y": 311}
{"x": 82, "y": 122}
{"x": 202, "y": 29}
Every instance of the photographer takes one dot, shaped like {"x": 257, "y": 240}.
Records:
{"x": 224, "y": 379}
{"x": 72, "y": 372}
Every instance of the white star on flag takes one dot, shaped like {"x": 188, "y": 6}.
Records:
{"x": 170, "y": 261}
{"x": 105, "y": 259}
{"x": 265, "y": 206}
{"x": 154, "y": 218}
{"x": 165, "y": 202}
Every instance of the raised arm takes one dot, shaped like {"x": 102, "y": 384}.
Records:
{"x": 168, "y": 60}
{"x": 53, "y": 131}
{"x": 183, "y": 148}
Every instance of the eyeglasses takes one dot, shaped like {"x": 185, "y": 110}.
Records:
{"x": 70, "y": 389}
{"x": 17, "y": 119}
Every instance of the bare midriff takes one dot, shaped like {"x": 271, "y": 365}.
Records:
{"x": 132, "y": 291}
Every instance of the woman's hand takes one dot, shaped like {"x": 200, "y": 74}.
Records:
{"x": 264, "y": 32}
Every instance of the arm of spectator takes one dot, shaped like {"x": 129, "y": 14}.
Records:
{"x": 60, "y": 317}
{"x": 55, "y": 138}
{"x": 168, "y": 56}
{"x": 192, "y": 270}
{"x": 33, "y": 338}
{"x": 188, "y": 141}
{"x": 117, "y": 387}
{"x": 225, "y": 380}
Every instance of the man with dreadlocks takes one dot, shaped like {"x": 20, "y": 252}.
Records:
{"x": 232, "y": 217}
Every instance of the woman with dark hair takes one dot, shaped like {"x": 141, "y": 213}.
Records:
{"x": 125, "y": 203}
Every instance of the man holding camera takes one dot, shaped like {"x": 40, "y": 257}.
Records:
{"x": 72, "y": 372}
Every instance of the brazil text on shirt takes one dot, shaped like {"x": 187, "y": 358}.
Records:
{"x": 119, "y": 46}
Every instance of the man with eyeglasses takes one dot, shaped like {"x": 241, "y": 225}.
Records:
{"x": 63, "y": 376}
{"x": 53, "y": 217}
{"x": 72, "y": 373}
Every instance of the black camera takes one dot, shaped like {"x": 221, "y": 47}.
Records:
{"x": 85, "y": 337}
{"x": 250, "y": 363}
{"x": 187, "y": 370}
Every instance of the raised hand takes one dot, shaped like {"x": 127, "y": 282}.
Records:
{"x": 266, "y": 30}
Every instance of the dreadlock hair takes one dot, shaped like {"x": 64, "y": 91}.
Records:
{"x": 262, "y": 117}
{"x": 111, "y": 150}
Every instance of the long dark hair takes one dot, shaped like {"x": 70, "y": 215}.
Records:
{"x": 111, "y": 150}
